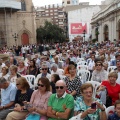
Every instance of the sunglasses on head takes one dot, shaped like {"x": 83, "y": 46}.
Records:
{"x": 57, "y": 87}
{"x": 44, "y": 68}
{"x": 40, "y": 85}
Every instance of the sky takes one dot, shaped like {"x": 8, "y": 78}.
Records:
{"x": 47, "y": 2}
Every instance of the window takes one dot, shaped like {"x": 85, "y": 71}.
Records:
{"x": 23, "y": 5}
{"x": 68, "y": 2}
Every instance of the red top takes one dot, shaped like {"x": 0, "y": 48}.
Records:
{"x": 113, "y": 91}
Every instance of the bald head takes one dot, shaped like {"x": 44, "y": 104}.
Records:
{"x": 60, "y": 83}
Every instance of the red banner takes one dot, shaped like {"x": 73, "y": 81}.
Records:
{"x": 78, "y": 28}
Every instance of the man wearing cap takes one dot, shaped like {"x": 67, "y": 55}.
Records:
{"x": 8, "y": 93}
{"x": 61, "y": 104}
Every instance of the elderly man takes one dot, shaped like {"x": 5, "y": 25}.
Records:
{"x": 56, "y": 70}
{"x": 8, "y": 93}
{"x": 44, "y": 73}
{"x": 61, "y": 104}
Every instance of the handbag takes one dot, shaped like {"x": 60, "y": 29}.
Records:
{"x": 77, "y": 117}
{"x": 108, "y": 101}
{"x": 33, "y": 117}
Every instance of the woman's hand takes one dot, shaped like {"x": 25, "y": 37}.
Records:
{"x": 100, "y": 106}
{"x": 102, "y": 87}
{"x": 31, "y": 109}
{"x": 90, "y": 111}
{"x": 18, "y": 107}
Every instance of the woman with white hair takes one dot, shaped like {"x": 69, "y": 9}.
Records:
{"x": 56, "y": 70}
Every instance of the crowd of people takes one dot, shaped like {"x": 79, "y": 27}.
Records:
{"x": 59, "y": 92}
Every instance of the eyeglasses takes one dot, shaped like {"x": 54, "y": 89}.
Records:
{"x": 44, "y": 68}
{"x": 40, "y": 85}
{"x": 87, "y": 93}
{"x": 57, "y": 87}
{"x": 98, "y": 65}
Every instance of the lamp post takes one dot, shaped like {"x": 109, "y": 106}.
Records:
{"x": 15, "y": 36}
{"x": 97, "y": 31}
{"x": 84, "y": 32}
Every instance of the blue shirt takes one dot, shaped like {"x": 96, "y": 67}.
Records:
{"x": 8, "y": 94}
{"x": 114, "y": 116}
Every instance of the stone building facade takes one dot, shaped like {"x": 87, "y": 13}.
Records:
{"x": 106, "y": 23}
{"x": 17, "y": 26}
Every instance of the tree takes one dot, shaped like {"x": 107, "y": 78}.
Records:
{"x": 50, "y": 33}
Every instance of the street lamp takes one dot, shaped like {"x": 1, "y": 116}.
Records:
{"x": 84, "y": 32}
{"x": 15, "y": 36}
{"x": 97, "y": 31}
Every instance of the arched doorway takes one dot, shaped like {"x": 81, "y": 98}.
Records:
{"x": 25, "y": 39}
{"x": 119, "y": 30}
{"x": 106, "y": 33}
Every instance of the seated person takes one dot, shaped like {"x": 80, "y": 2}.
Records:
{"x": 54, "y": 79}
{"x": 56, "y": 70}
{"x": 44, "y": 73}
{"x": 39, "y": 99}
{"x": 8, "y": 93}
{"x": 116, "y": 114}
{"x": 99, "y": 74}
{"x": 23, "y": 95}
{"x": 61, "y": 104}
{"x": 113, "y": 89}
{"x": 91, "y": 108}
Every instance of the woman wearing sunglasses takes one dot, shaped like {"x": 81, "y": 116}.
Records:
{"x": 99, "y": 74}
{"x": 23, "y": 94}
{"x": 39, "y": 99}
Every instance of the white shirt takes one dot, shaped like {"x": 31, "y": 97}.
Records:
{"x": 118, "y": 80}
{"x": 91, "y": 65}
{"x": 59, "y": 72}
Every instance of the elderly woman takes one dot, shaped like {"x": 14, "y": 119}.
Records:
{"x": 13, "y": 74}
{"x": 4, "y": 72}
{"x": 113, "y": 89}
{"x": 99, "y": 74}
{"x": 39, "y": 99}
{"x": 90, "y": 108}
{"x": 73, "y": 81}
{"x": 56, "y": 70}
{"x": 22, "y": 68}
{"x": 23, "y": 94}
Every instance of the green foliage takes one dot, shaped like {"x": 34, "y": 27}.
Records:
{"x": 94, "y": 40}
{"x": 50, "y": 33}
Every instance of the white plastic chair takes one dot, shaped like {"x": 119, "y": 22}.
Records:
{"x": 110, "y": 110}
{"x": 111, "y": 68}
{"x": 61, "y": 71}
{"x": 80, "y": 59}
{"x": 84, "y": 75}
{"x": 31, "y": 80}
{"x": 81, "y": 63}
{"x": 95, "y": 86}
{"x": 82, "y": 67}
{"x": 62, "y": 77}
